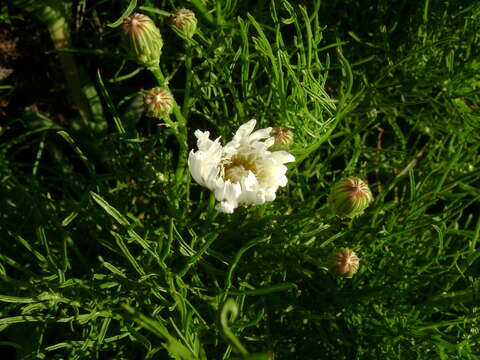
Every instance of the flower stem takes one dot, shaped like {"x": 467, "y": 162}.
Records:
{"x": 261, "y": 211}
{"x": 159, "y": 76}
{"x": 188, "y": 80}
{"x": 211, "y": 213}
{"x": 179, "y": 128}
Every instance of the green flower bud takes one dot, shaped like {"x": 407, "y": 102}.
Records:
{"x": 142, "y": 39}
{"x": 350, "y": 197}
{"x": 343, "y": 263}
{"x": 159, "y": 103}
{"x": 185, "y": 21}
{"x": 283, "y": 137}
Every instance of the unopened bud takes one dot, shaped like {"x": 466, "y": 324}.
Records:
{"x": 282, "y": 136}
{"x": 350, "y": 197}
{"x": 143, "y": 39}
{"x": 343, "y": 263}
{"x": 185, "y": 21}
{"x": 159, "y": 103}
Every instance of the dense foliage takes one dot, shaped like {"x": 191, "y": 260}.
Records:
{"x": 109, "y": 250}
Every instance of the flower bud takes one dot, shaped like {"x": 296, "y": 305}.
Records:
{"x": 343, "y": 263}
{"x": 350, "y": 197}
{"x": 143, "y": 39}
{"x": 283, "y": 136}
{"x": 185, "y": 21}
{"x": 159, "y": 102}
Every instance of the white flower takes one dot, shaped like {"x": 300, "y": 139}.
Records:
{"x": 243, "y": 172}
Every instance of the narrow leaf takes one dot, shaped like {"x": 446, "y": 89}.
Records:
{"x": 126, "y": 13}
{"x": 122, "y": 220}
{"x": 129, "y": 255}
{"x": 111, "y": 107}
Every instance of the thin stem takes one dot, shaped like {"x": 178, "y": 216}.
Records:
{"x": 261, "y": 211}
{"x": 181, "y": 135}
{"x": 159, "y": 76}
{"x": 203, "y": 12}
{"x": 179, "y": 128}
{"x": 230, "y": 310}
{"x": 188, "y": 80}
{"x": 211, "y": 213}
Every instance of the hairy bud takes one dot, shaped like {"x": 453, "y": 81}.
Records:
{"x": 142, "y": 39}
{"x": 159, "y": 103}
{"x": 350, "y": 197}
{"x": 185, "y": 21}
{"x": 343, "y": 263}
{"x": 283, "y": 137}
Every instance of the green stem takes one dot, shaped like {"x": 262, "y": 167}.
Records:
{"x": 261, "y": 211}
{"x": 211, "y": 213}
{"x": 188, "y": 80}
{"x": 230, "y": 309}
{"x": 203, "y": 12}
{"x": 181, "y": 135}
{"x": 179, "y": 128}
{"x": 159, "y": 76}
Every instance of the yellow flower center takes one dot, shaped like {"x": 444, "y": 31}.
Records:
{"x": 238, "y": 168}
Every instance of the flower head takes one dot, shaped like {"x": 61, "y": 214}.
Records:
{"x": 350, "y": 197}
{"x": 158, "y": 102}
{"x": 185, "y": 21}
{"x": 243, "y": 172}
{"x": 343, "y": 263}
{"x": 143, "y": 39}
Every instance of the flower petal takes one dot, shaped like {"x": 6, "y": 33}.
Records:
{"x": 244, "y": 131}
{"x": 283, "y": 156}
{"x": 261, "y": 134}
{"x": 225, "y": 207}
